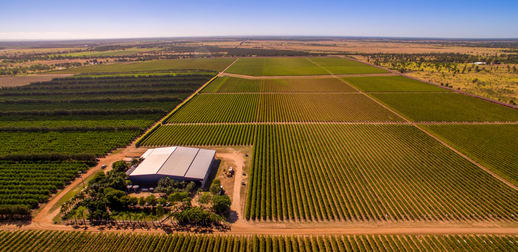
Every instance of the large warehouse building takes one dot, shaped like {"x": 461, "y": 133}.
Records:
{"x": 179, "y": 163}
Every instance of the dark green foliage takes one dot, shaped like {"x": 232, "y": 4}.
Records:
{"x": 196, "y": 216}
{"x": 14, "y": 212}
{"x": 120, "y": 166}
{"x": 221, "y": 204}
{"x": 177, "y": 196}
{"x": 215, "y": 187}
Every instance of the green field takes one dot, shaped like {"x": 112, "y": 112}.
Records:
{"x": 213, "y": 135}
{"x": 344, "y": 172}
{"x": 207, "y": 64}
{"x": 495, "y": 146}
{"x": 31, "y": 183}
{"x": 391, "y": 84}
{"x": 281, "y": 108}
{"x": 89, "y": 142}
{"x": 218, "y": 108}
{"x": 276, "y": 67}
{"x": 446, "y": 107}
{"x": 345, "y": 66}
{"x": 300, "y": 66}
{"x": 109, "y": 241}
{"x": 238, "y": 85}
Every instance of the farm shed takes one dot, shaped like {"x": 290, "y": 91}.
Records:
{"x": 179, "y": 163}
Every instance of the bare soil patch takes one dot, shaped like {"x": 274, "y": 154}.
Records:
{"x": 14, "y": 81}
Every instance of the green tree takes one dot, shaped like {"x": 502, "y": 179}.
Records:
{"x": 221, "y": 204}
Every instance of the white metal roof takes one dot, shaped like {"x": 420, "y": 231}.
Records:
{"x": 179, "y": 162}
{"x": 175, "y": 161}
{"x": 154, "y": 161}
{"x": 200, "y": 166}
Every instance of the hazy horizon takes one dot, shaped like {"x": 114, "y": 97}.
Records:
{"x": 70, "y": 20}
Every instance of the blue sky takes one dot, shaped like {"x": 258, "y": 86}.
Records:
{"x": 51, "y": 19}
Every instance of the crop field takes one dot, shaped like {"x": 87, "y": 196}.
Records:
{"x": 343, "y": 172}
{"x": 30, "y": 183}
{"x": 214, "y": 135}
{"x": 391, "y": 84}
{"x": 276, "y": 67}
{"x": 206, "y": 64}
{"x": 88, "y": 241}
{"x": 300, "y": 66}
{"x": 77, "y": 118}
{"x": 238, "y": 85}
{"x": 345, "y": 66}
{"x": 89, "y": 142}
{"x": 219, "y": 108}
{"x": 281, "y": 108}
{"x": 492, "y": 145}
{"x": 446, "y": 107}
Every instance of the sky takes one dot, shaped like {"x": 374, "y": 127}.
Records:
{"x": 72, "y": 19}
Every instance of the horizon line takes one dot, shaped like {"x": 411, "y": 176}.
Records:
{"x": 259, "y": 37}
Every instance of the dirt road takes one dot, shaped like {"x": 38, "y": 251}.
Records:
{"x": 239, "y": 162}
{"x": 46, "y": 214}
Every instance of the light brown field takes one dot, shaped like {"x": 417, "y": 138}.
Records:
{"x": 356, "y": 46}
{"x": 21, "y": 80}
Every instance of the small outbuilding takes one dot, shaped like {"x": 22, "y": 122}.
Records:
{"x": 179, "y": 163}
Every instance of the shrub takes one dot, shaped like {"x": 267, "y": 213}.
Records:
{"x": 221, "y": 204}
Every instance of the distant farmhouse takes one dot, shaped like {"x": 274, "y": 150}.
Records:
{"x": 179, "y": 163}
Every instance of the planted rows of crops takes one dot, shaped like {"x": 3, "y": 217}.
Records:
{"x": 168, "y": 135}
{"x": 344, "y": 172}
{"x": 392, "y": 84}
{"x": 86, "y": 241}
{"x": 281, "y": 108}
{"x": 237, "y": 85}
{"x": 446, "y": 107}
{"x": 30, "y": 183}
{"x": 77, "y": 118}
{"x": 70, "y": 142}
{"x": 493, "y": 145}
{"x": 280, "y": 66}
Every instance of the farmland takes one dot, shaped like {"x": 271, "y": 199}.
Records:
{"x": 275, "y": 66}
{"x": 52, "y": 130}
{"x": 391, "y": 84}
{"x": 88, "y": 241}
{"x": 334, "y": 173}
{"x": 206, "y": 64}
{"x": 281, "y": 108}
{"x": 323, "y": 150}
{"x": 493, "y": 145}
{"x": 300, "y": 66}
{"x": 31, "y": 183}
{"x": 237, "y": 85}
{"x": 310, "y": 167}
{"x": 214, "y": 135}
{"x": 446, "y": 107}
{"x": 345, "y": 66}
